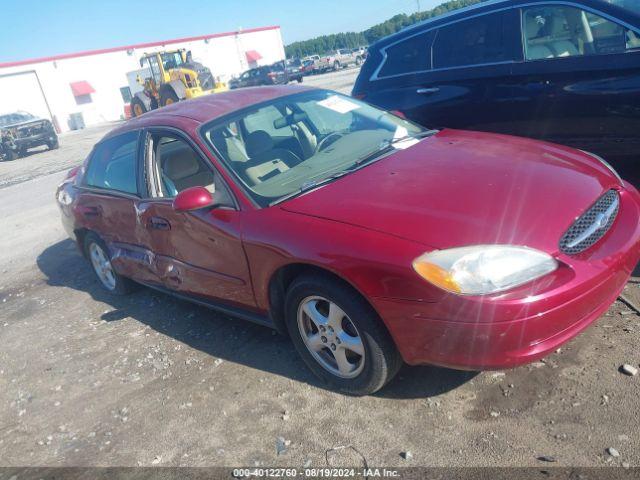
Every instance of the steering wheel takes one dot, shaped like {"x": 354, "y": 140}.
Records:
{"x": 323, "y": 143}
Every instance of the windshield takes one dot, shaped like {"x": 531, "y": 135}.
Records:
{"x": 17, "y": 117}
{"x": 633, "y": 5}
{"x": 282, "y": 146}
{"x": 171, "y": 60}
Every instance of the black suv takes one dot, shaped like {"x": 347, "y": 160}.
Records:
{"x": 274, "y": 74}
{"x": 564, "y": 71}
{"x": 21, "y": 131}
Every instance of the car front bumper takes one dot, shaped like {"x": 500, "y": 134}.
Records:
{"x": 32, "y": 141}
{"x": 503, "y": 331}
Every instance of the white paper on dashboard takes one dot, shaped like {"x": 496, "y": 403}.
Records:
{"x": 338, "y": 104}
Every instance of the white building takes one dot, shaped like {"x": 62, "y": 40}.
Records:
{"x": 95, "y": 84}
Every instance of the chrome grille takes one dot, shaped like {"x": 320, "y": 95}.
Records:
{"x": 591, "y": 225}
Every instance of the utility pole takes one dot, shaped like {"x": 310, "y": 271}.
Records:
{"x": 418, "y": 3}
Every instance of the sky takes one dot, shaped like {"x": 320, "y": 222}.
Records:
{"x": 33, "y": 28}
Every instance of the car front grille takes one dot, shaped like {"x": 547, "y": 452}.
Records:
{"x": 591, "y": 225}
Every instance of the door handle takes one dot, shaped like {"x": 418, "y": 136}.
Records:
{"x": 423, "y": 91}
{"x": 159, "y": 223}
{"x": 90, "y": 211}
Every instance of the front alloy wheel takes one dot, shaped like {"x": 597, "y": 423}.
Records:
{"x": 331, "y": 337}
{"x": 339, "y": 335}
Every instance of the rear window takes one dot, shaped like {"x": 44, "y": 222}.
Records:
{"x": 476, "y": 41}
{"x": 410, "y": 55}
{"x": 113, "y": 164}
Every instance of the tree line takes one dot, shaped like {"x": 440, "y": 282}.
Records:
{"x": 326, "y": 43}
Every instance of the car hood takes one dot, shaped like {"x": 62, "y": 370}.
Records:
{"x": 466, "y": 188}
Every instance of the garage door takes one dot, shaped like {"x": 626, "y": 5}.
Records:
{"x": 21, "y": 91}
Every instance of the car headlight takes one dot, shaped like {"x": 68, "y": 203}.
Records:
{"x": 483, "y": 269}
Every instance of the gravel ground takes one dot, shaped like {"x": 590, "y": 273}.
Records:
{"x": 91, "y": 380}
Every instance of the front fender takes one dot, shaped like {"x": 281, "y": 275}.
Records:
{"x": 374, "y": 263}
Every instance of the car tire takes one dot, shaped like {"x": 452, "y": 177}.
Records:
{"x": 336, "y": 65}
{"x": 358, "y": 61}
{"x": 111, "y": 281}
{"x": 354, "y": 327}
{"x": 10, "y": 155}
{"x": 137, "y": 107}
{"x": 53, "y": 145}
{"x": 168, "y": 96}
{"x": 299, "y": 79}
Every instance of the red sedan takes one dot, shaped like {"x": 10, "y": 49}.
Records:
{"x": 367, "y": 239}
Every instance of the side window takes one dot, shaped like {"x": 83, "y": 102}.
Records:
{"x": 410, "y": 55}
{"x": 113, "y": 164}
{"x": 557, "y": 31}
{"x": 177, "y": 166}
{"x": 477, "y": 41}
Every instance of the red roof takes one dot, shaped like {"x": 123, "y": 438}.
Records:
{"x": 252, "y": 56}
{"x": 81, "y": 88}
{"x": 87, "y": 53}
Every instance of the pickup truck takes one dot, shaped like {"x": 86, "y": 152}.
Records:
{"x": 20, "y": 131}
{"x": 342, "y": 57}
{"x": 312, "y": 64}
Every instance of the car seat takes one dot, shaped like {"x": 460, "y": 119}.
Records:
{"x": 265, "y": 160}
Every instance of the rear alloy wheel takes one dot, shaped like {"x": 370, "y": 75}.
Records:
{"x": 358, "y": 61}
{"x": 336, "y": 65}
{"x": 339, "y": 335}
{"x": 97, "y": 253}
{"x": 53, "y": 145}
{"x": 102, "y": 266}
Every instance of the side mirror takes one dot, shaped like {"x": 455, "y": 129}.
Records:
{"x": 193, "y": 198}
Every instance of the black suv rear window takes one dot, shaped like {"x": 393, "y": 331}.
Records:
{"x": 410, "y": 55}
{"x": 476, "y": 41}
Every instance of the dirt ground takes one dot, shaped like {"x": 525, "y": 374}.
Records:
{"x": 87, "y": 379}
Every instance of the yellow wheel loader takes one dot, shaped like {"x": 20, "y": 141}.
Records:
{"x": 172, "y": 76}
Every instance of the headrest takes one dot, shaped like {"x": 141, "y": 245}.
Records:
{"x": 555, "y": 26}
{"x": 181, "y": 164}
{"x": 258, "y": 142}
{"x": 533, "y": 26}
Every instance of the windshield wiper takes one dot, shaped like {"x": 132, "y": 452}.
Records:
{"x": 423, "y": 134}
{"x": 386, "y": 146}
{"x": 305, "y": 187}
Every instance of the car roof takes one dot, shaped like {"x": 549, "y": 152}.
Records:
{"x": 481, "y": 6}
{"x": 209, "y": 107}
